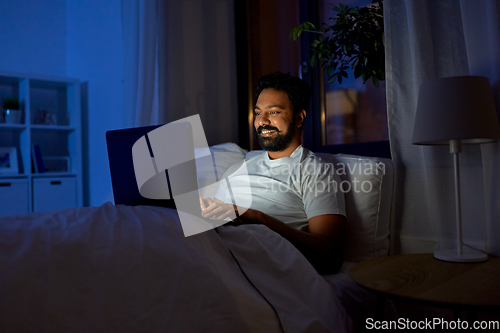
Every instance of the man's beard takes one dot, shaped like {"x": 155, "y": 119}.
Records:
{"x": 278, "y": 143}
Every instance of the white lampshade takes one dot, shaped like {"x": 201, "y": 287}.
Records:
{"x": 456, "y": 108}
{"x": 453, "y": 111}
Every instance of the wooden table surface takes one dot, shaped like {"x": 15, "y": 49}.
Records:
{"x": 421, "y": 277}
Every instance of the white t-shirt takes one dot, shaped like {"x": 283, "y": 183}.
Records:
{"x": 291, "y": 189}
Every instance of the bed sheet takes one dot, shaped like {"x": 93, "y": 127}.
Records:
{"x": 130, "y": 269}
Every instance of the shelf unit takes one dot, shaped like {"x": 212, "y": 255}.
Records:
{"x": 27, "y": 190}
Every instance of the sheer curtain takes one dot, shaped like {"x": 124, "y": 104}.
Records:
{"x": 180, "y": 61}
{"x": 140, "y": 31}
{"x": 428, "y": 39}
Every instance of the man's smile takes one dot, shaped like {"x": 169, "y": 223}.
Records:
{"x": 266, "y": 133}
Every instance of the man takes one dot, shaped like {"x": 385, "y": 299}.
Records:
{"x": 293, "y": 191}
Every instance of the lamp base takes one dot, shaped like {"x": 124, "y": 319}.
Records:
{"x": 468, "y": 255}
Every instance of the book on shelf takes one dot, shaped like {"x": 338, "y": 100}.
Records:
{"x": 34, "y": 165}
{"x": 38, "y": 164}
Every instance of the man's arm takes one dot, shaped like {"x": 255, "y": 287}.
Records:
{"x": 322, "y": 244}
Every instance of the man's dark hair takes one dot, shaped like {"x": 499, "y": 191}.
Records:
{"x": 297, "y": 89}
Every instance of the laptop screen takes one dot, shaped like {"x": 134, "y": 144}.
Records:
{"x": 121, "y": 167}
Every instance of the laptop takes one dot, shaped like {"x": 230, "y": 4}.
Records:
{"x": 121, "y": 167}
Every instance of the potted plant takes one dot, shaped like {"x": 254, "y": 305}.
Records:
{"x": 12, "y": 110}
{"x": 355, "y": 40}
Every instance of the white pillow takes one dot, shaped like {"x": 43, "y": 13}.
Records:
{"x": 367, "y": 183}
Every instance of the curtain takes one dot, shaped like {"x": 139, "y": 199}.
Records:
{"x": 425, "y": 40}
{"x": 180, "y": 61}
{"x": 140, "y": 31}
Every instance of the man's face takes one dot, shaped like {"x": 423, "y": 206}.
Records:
{"x": 274, "y": 120}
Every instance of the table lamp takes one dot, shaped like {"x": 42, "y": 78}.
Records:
{"x": 454, "y": 111}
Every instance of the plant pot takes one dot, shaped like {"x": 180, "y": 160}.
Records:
{"x": 12, "y": 116}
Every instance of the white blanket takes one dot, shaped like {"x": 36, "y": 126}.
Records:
{"x": 130, "y": 269}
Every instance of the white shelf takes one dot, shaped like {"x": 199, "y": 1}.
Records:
{"x": 19, "y": 127}
{"x": 53, "y": 174}
{"x": 13, "y": 175}
{"x": 52, "y": 127}
{"x": 61, "y": 98}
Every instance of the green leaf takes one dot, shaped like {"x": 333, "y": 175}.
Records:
{"x": 375, "y": 81}
{"x": 313, "y": 60}
{"x": 310, "y": 26}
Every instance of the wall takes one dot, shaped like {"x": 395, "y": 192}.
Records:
{"x": 33, "y": 37}
{"x": 75, "y": 39}
{"x": 95, "y": 56}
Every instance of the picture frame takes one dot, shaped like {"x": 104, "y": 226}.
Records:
{"x": 8, "y": 160}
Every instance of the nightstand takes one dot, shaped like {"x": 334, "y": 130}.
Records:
{"x": 420, "y": 278}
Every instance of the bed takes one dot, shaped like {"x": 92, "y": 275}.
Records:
{"x": 118, "y": 268}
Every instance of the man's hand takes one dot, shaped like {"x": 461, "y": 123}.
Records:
{"x": 217, "y": 209}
